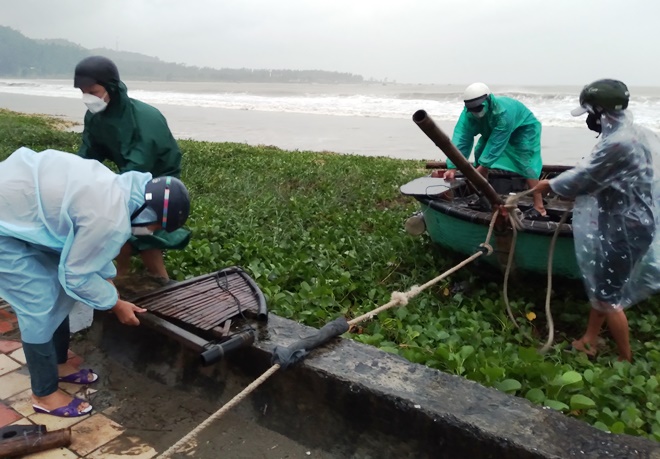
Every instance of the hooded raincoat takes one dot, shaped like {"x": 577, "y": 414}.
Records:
{"x": 617, "y": 193}
{"x": 135, "y": 137}
{"x": 63, "y": 220}
{"x": 510, "y": 137}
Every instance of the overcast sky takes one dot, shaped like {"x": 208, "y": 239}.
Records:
{"x": 411, "y": 41}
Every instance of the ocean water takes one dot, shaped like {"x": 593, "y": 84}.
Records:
{"x": 551, "y": 105}
{"x": 371, "y": 119}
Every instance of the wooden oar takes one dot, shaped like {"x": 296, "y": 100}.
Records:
{"x": 440, "y": 139}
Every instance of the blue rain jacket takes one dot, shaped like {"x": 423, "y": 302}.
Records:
{"x": 617, "y": 194}
{"x": 510, "y": 137}
{"x": 63, "y": 219}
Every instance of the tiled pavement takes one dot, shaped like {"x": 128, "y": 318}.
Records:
{"x": 95, "y": 436}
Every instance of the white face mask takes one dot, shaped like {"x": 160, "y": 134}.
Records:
{"x": 480, "y": 114}
{"x": 94, "y": 104}
{"x": 141, "y": 231}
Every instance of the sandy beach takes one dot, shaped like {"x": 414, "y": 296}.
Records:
{"x": 369, "y": 136}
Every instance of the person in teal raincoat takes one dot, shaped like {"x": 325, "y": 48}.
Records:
{"x": 510, "y": 139}
{"x": 63, "y": 220}
{"x": 134, "y": 136}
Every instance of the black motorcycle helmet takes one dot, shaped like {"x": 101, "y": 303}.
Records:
{"x": 95, "y": 70}
{"x": 603, "y": 96}
{"x": 169, "y": 198}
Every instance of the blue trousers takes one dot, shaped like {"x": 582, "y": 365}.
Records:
{"x": 42, "y": 360}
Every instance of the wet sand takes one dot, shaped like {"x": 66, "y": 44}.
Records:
{"x": 397, "y": 138}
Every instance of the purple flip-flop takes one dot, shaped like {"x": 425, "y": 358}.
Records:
{"x": 80, "y": 377}
{"x": 69, "y": 411}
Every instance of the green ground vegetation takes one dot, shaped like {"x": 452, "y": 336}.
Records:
{"x": 322, "y": 234}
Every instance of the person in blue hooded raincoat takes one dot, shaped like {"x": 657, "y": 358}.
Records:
{"x": 510, "y": 139}
{"x": 135, "y": 137}
{"x": 616, "y": 216}
{"x": 63, "y": 220}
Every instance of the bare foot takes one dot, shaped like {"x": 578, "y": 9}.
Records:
{"x": 583, "y": 346}
{"x": 57, "y": 399}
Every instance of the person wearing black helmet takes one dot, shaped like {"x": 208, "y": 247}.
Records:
{"x": 616, "y": 190}
{"x": 59, "y": 234}
{"x": 166, "y": 206}
{"x": 134, "y": 136}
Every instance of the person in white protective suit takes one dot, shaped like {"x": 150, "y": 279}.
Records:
{"x": 63, "y": 220}
{"x": 616, "y": 214}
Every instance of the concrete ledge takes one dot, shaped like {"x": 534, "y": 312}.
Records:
{"x": 355, "y": 401}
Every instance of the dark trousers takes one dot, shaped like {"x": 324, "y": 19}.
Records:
{"x": 42, "y": 360}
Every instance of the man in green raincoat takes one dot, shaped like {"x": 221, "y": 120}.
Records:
{"x": 135, "y": 137}
{"x": 510, "y": 139}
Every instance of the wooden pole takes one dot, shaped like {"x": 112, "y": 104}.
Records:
{"x": 440, "y": 139}
{"x": 34, "y": 442}
{"x": 436, "y": 165}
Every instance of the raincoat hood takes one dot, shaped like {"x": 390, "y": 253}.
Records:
{"x": 95, "y": 70}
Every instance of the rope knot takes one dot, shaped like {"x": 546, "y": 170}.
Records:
{"x": 400, "y": 297}
{"x": 488, "y": 247}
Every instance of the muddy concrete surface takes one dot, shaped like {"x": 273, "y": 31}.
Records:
{"x": 158, "y": 407}
{"x": 162, "y": 415}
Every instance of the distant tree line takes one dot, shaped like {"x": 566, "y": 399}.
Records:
{"x": 23, "y": 57}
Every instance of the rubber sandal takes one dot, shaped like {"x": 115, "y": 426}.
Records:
{"x": 533, "y": 214}
{"x": 69, "y": 411}
{"x": 83, "y": 377}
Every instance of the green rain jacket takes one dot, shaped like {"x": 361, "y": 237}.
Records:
{"x": 135, "y": 136}
{"x": 510, "y": 137}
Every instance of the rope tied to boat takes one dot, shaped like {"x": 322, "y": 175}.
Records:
{"x": 297, "y": 352}
{"x": 402, "y": 298}
{"x": 511, "y": 205}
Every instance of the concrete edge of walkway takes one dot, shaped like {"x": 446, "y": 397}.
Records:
{"x": 349, "y": 397}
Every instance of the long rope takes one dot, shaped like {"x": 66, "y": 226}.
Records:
{"x": 511, "y": 205}
{"x": 507, "y": 272}
{"x": 548, "y": 293}
{"x": 229, "y": 405}
{"x": 398, "y": 298}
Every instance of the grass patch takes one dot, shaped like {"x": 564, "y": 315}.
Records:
{"x": 322, "y": 235}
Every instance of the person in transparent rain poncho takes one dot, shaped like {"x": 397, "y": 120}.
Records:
{"x": 615, "y": 217}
